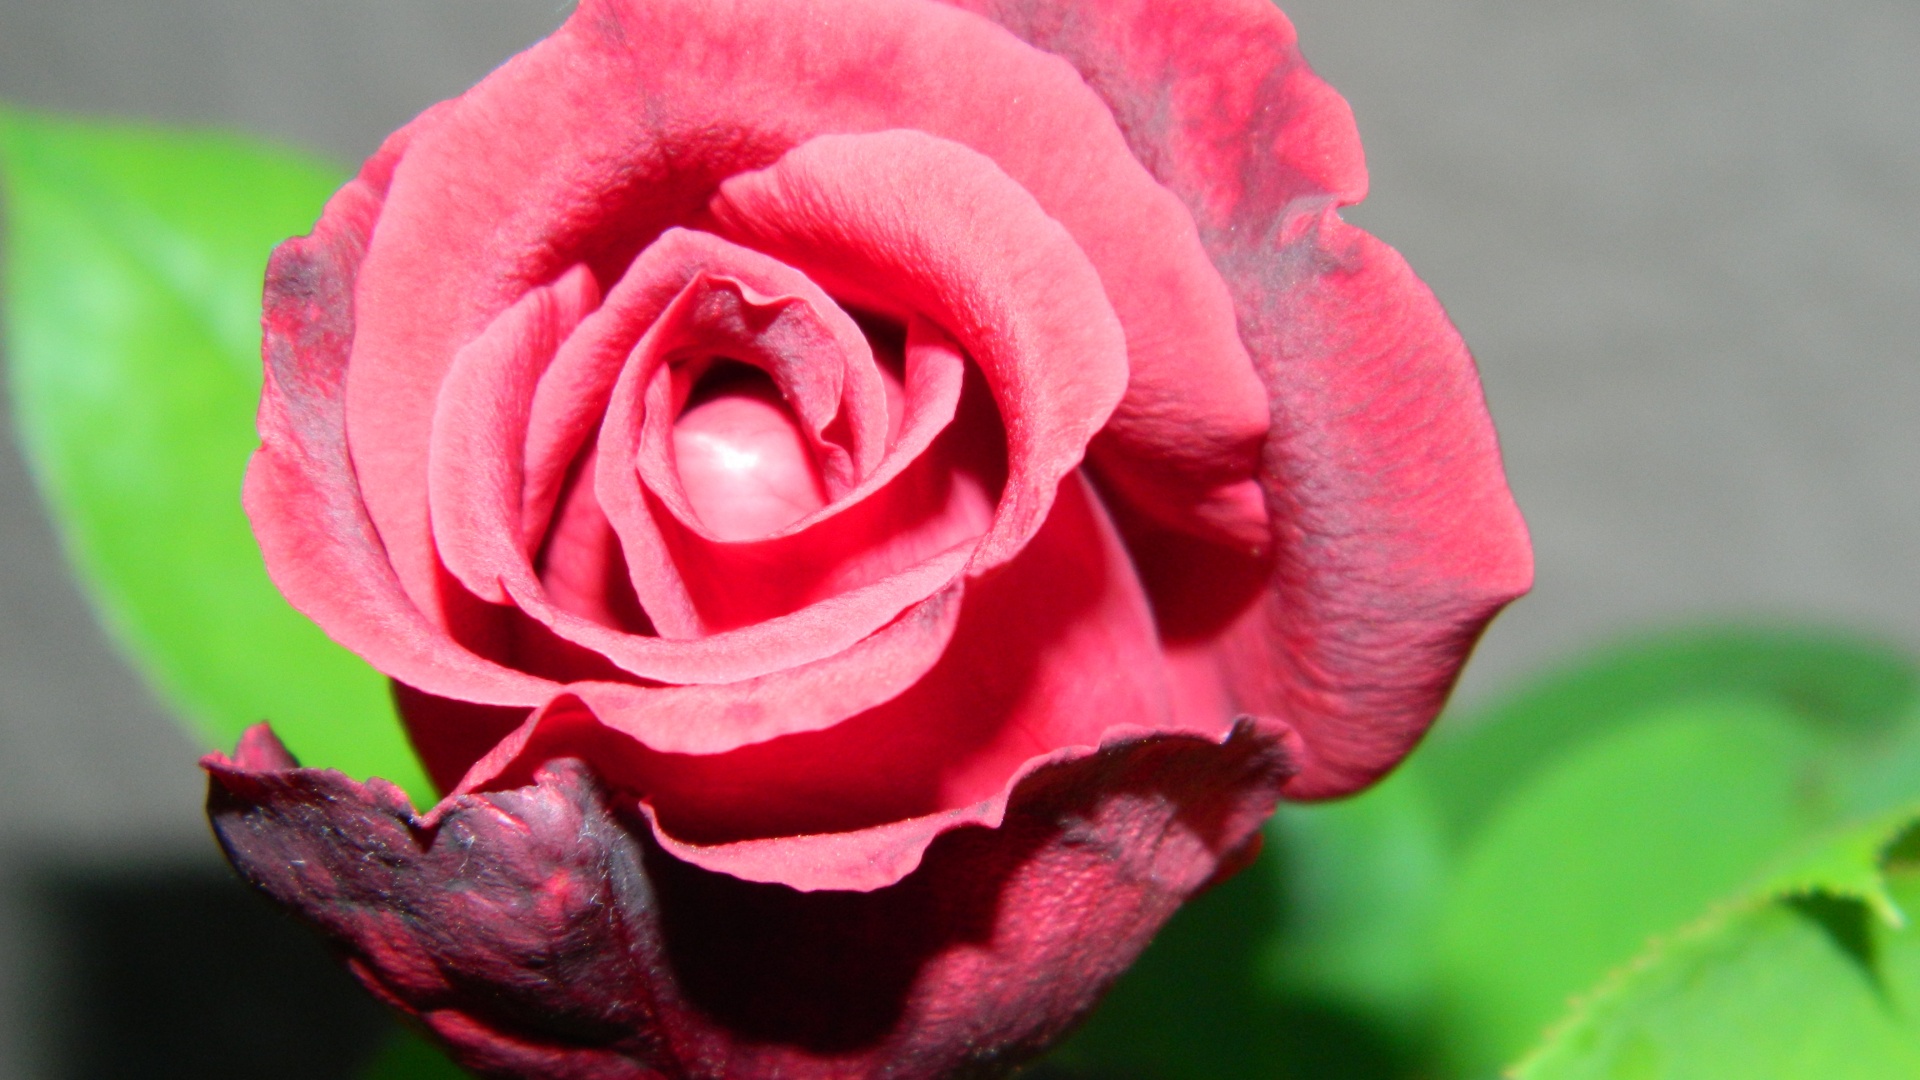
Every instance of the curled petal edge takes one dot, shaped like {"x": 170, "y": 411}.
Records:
{"x": 874, "y": 858}
{"x": 861, "y": 860}
{"x": 681, "y": 719}
{"x": 1397, "y": 539}
{"x": 1394, "y": 539}
{"x": 301, "y": 493}
{"x": 576, "y": 948}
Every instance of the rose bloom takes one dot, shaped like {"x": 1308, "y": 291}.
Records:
{"x": 866, "y": 504}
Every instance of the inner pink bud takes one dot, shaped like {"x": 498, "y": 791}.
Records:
{"x": 744, "y": 463}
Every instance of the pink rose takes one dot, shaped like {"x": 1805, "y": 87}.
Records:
{"x": 866, "y": 504}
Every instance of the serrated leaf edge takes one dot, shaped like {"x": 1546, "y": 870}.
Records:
{"x": 1775, "y": 886}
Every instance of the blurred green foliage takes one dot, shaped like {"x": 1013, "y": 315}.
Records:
{"x": 409, "y": 1056}
{"x": 132, "y": 333}
{"x": 1434, "y": 926}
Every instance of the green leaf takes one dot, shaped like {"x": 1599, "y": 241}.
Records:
{"x": 132, "y": 303}
{"x": 1377, "y": 929}
{"x": 1885, "y": 772}
{"x": 1359, "y": 912}
{"x": 1324, "y": 959}
{"x": 408, "y": 1056}
{"x": 1626, "y": 835}
{"x": 1850, "y": 866}
{"x": 1815, "y": 973}
{"x": 1852, "y": 687}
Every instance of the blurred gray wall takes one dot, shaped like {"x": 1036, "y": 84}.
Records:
{"x": 1682, "y": 237}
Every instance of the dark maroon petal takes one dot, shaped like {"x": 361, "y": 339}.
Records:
{"x": 541, "y": 932}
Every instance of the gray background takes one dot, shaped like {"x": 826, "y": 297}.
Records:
{"x": 1683, "y": 239}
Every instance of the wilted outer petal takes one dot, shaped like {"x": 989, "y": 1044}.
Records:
{"x": 542, "y": 931}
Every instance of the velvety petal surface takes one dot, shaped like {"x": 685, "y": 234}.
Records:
{"x": 1212, "y": 96}
{"x": 301, "y": 492}
{"x": 911, "y": 224}
{"x": 1400, "y": 539}
{"x": 695, "y": 582}
{"x": 717, "y": 719}
{"x": 590, "y": 155}
{"x": 542, "y": 932}
{"x": 1052, "y": 658}
{"x": 476, "y": 472}
{"x": 1394, "y": 537}
{"x": 497, "y": 400}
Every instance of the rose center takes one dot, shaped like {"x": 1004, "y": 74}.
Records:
{"x": 743, "y": 460}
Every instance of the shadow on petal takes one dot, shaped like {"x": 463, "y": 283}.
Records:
{"x": 542, "y": 931}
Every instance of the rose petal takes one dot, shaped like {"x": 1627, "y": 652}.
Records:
{"x": 813, "y": 352}
{"x": 883, "y": 855}
{"x": 580, "y": 564}
{"x": 1395, "y": 537}
{"x": 933, "y": 369}
{"x": 1212, "y": 96}
{"x": 301, "y": 493}
{"x": 821, "y": 630}
{"x": 473, "y": 497}
{"x": 589, "y": 155}
{"x": 1404, "y": 538}
{"x": 1053, "y": 656}
{"x": 719, "y": 718}
{"x": 476, "y": 468}
{"x": 926, "y": 497}
{"x": 450, "y": 734}
{"x": 940, "y": 504}
{"x": 929, "y": 497}
{"x": 539, "y": 932}
{"x": 920, "y": 225}
{"x": 795, "y": 337}
{"x": 738, "y": 462}
{"x": 573, "y": 394}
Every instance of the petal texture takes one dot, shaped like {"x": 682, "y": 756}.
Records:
{"x": 542, "y": 932}
{"x": 867, "y": 505}
{"x": 838, "y": 775}
{"x": 590, "y": 154}
{"x": 301, "y": 491}
{"x": 1394, "y": 538}
{"x": 1398, "y": 538}
{"x": 917, "y": 225}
